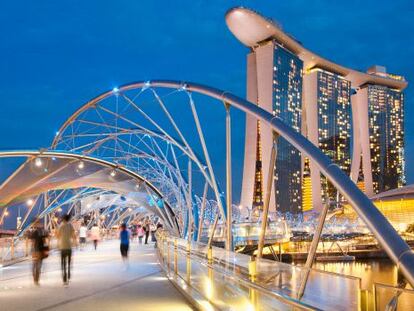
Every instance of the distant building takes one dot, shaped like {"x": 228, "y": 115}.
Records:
{"x": 355, "y": 118}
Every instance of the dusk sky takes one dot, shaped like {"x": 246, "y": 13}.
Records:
{"x": 56, "y": 55}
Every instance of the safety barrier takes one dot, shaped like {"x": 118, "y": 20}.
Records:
{"x": 390, "y": 298}
{"x": 218, "y": 279}
{"x": 12, "y": 249}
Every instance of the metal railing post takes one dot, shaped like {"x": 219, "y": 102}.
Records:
{"x": 12, "y": 249}
{"x": 168, "y": 256}
{"x": 188, "y": 263}
{"x": 175, "y": 256}
{"x": 26, "y": 252}
{"x": 210, "y": 262}
{"x": 253, "y": 275}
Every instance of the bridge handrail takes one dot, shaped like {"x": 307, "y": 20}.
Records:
{"x": 179, "y": 258}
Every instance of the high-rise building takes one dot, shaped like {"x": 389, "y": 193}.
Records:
{"x": 287, "y": 104}
{"x": 328, "y": 124}
{"x": 355, "y": 118}
{"x": 275, "y": 84}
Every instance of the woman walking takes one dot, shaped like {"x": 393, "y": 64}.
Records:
{"x": 141, "y": 233}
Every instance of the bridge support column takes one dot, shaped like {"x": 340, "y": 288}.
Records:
{"x": 269, "y": 185}
{"x": 313, "y": 249}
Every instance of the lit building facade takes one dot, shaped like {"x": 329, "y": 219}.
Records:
{"x": 287, "y": 104}
{"x": 275, "y": 84}
{"x": 328, "y": 125}
{"x": 355, "y": 117}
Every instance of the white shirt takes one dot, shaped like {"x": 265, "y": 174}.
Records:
{"x": 82, "y": 232}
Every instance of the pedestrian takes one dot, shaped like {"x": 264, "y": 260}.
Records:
{"x": 95, "y": 235}
{"x": 67, "y": 238}
{"x": 83, "y": 231}
{"x": 134, "y": 232}
{"x": 153, "y": 229}
{"x": 147, "y": 231}
{"x": 141, "y": 233}
{"x": 124, "y": 237}
{"x": 40, "y": 249}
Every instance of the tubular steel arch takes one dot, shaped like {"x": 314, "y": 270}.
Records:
{"x": 396, "y": 248}
{"x": 166, "y": 212}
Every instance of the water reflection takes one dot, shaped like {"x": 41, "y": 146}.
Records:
{"x": 369, "y": 271}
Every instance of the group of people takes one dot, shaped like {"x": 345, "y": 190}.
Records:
{"x": 40, "y": 247}
{"x": 67, "y": 239}
{"x": 143, "y": 231}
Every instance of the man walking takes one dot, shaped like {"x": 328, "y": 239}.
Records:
{"x": 66, "y": 237}
{"x": 40, "y": 249}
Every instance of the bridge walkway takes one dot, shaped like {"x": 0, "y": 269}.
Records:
{"x": 100, "y": 281}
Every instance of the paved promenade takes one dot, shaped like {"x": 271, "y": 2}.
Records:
{"x": 100, "y": 281}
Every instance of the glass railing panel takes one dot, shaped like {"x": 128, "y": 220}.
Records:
{"x": 393, "y": 298}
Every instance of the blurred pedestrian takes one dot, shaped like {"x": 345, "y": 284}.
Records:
{"x": 124, "y": 236}
{"x": 95, "y": 235}
{"x": 153, "y": 229}
{"x": 67, "y": 238}
{"x": 147, "y": 230}
{"x": 40, "y": 249}
{"x": 141, "y": 233}
{"x": 83, "y": 232}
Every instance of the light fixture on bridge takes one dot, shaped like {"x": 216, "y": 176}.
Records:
{"x": 115, "y": 90}
{"x": 38, "y": 162}
{"x": 113, "y": 173}
{"x": 81, "y": 165}
{"x": 29, "y": 202}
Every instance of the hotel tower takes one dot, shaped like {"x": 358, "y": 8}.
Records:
{"x": 355, "y": 118}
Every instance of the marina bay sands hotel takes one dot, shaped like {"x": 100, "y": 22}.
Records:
{"x": 356, "y": 118}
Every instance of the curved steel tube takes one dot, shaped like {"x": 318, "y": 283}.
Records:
{"x": 58, "y": 154}
{"x": 396, "y": 248}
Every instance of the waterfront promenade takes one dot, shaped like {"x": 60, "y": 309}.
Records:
{"x": 100, "y": 281}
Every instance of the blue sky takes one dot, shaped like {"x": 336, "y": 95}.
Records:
{"x": 56, "y": 55}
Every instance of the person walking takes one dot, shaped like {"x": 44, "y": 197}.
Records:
{"x": 83, "y": 232}
{"x": 141, "y": 233}
{"x": 124, "y": 236}
{"x": 67, "y": 238}
{"x": 40, "y": 249}
{"x": 153, "y": 229}
{"x": 147, "y": 231}
{"x": 95, "y": 235}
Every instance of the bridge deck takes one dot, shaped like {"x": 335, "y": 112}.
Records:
{"x": 100, "y": 281}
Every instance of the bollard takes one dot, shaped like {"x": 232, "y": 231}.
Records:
{"x": 188, "y": 263}
{"x": 253, "y": 274}
{"x": 175, "y": 257}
